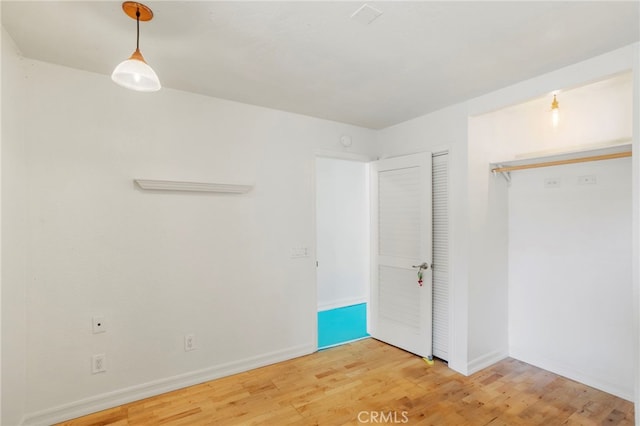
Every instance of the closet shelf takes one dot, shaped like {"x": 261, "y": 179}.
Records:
{"x": 171, "y": 185}
{"x": 596, "y": 154}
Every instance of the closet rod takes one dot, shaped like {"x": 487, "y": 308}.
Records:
{"x": 562, "y": 162}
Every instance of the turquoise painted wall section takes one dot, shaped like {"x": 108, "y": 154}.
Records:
{"x": 341, "y": 325}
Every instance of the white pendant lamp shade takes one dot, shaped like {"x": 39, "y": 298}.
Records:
{"x": 135, "y": 74}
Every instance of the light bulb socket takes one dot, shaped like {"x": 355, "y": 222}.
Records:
{"x": 138, "y": 56}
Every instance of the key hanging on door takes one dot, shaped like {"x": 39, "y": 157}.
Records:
{"x": 421, "y": 267}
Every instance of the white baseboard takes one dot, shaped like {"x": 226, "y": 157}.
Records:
{"x": 486, "y": 360}
{"x": 570, "y": 372}
{"x": 341, "y": 303}
{"x": 157, "y": 387}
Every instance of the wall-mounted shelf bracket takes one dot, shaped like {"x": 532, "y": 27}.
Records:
{"x": 170, "y": 185}
{"x": 505, "y": 174}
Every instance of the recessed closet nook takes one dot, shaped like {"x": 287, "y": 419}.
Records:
{"x": 562, "y": 233}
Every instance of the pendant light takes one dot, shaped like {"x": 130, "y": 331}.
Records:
{"x": 555, "y": 112}
{"x": 134, "y": 73}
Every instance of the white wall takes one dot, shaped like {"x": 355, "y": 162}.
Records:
{"x": 14, "y": 234}
{"x": 570, "y": 289}
{"x": 342, "y": 223}
{"x": 594, "y": 114}
{"x": 157, "y": 265}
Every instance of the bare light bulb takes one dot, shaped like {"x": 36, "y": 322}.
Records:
{"x": 555, "y": 112}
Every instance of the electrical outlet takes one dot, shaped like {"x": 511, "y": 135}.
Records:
{"x": 98, "y": 363}
{"x": 552, "y": 183}
{"x": 587, "y": 180}
{"x": 99, "y": 325}
{"x": 298, "y": 252}
{"x": 189, "y": 342}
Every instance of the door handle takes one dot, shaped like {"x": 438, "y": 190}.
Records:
{"x": 423, "y": 265}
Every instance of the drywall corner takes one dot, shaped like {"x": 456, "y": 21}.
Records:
{"x": 636, "y": 222}
{"x": 14, "y": 234}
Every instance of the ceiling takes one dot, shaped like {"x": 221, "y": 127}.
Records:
{"x": 312, "y": 58}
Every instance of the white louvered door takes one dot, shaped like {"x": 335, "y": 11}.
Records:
{"x": 441, "y": 256}
{"x": 401, "y": 309}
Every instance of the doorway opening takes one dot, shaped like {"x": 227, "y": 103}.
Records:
{"x": 343, "y": 234}
{"x": 342, "y": 247}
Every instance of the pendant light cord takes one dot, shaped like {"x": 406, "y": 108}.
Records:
{"x": 138, "y": 28}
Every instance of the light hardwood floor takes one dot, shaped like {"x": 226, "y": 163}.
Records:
{"x": 368, "y": 380}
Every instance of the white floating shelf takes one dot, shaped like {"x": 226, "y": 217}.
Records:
{"x": 171, "y": 185}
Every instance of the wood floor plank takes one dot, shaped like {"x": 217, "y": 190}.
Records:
{"x": 367, "y": 380}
